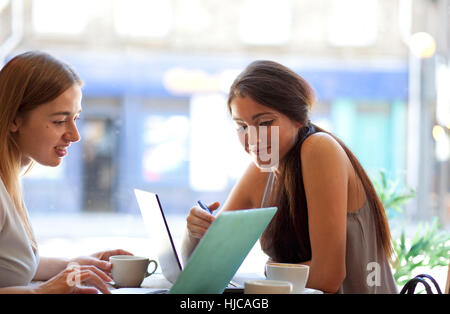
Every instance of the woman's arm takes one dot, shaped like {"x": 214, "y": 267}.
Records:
{"x": 248, "y": 190}
{"x": 83, "y": 279}
{"x": 246, "y": 193}
{"x": 325, "y": 176}
{"x": 18, "y": 290}
{"x": 49, "y": 267}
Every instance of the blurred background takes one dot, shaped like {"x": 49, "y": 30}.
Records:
{"x": 156, "y": 76}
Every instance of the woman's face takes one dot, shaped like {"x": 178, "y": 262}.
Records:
{"x": 45, "y": 133}
{"x": 266, "y": 134}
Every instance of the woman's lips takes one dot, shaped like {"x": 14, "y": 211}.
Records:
{"x": 61, "y": 151}
{"x": 260, "y": 149}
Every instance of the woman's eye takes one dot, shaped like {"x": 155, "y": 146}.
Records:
{"x": 60, "y": 122}
{"x": 242, "y": 128}
{"x": 266, "y": 123}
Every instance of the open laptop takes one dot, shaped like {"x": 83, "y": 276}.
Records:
{"x": 217, "y": 256}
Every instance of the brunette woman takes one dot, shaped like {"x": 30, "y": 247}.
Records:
{"x": 329, "y": 216}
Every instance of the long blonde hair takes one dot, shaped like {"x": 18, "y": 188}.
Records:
{"x": 26, "y": 81}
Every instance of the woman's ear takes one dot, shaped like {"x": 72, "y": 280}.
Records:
{"x": 297, "y": 124}
{"x": 15, "y": 124}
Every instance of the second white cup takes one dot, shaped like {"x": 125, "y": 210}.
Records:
{"x": 297, "y": 274}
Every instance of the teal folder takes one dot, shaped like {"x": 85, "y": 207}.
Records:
{"x": 222, "y": 250}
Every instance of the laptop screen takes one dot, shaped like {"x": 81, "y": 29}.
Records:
{"x": 156, "y": 224}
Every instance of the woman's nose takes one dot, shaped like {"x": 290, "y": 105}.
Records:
{"x": 72, "y": 134}
{"x": 252, "y": 135}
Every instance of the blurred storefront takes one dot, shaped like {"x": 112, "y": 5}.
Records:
{"x": 140, "y": 118}
{"x": 156, "y": 75}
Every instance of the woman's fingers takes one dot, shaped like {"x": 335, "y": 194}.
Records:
{"x": 85, "y": 290}
{"x": 98, "y": 272}
{"x": 197, "y": 232}
{"x": 88, "y": 275}
{"x": 213, "y": 206}
{"x": 200, "y": 217}
{"x": 76, "y": 279}
{"x": 202, "y": 214}
{"x": 198, "y": 221}
{"x": 93, "y": 278}
{"x": 104, "y": 255}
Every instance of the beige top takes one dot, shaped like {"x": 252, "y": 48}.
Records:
{"x": 367, "y": 268}
{"x": 18, "y": 262}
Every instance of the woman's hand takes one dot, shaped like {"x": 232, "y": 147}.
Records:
{"x": 100, "y": 259}
{"x": 70, "y": 280}
{"x": 199, "y": 220}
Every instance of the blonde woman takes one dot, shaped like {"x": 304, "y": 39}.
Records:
{"x": 40, "y": 101}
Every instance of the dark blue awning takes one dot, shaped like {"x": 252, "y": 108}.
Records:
{"x": 142, "y": 75}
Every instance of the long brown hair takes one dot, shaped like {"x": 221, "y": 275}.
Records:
{"x": 26, "y": 81}
{"x": 276, "y": 86}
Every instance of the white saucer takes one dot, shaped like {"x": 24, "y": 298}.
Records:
{"x": 311, "y": 291}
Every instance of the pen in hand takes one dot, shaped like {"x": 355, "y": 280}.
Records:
{"x": 203, "y": 206}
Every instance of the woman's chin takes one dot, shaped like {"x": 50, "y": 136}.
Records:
{"x": 50, "y": 163}
{"x": 265, "y": 165}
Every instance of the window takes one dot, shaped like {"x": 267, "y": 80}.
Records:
{"x": 11, "y": 26}
{"x": 165, "y": 151}
{"x": 192, "y": 16}
{"x": 216, "y": 155}
{"x": 143, "y": 18}
{"x": 3, "y": 4}
{"x": 353, "y": 22}
{"x": 60, "y": 17}
{"x": 265, "y": 22}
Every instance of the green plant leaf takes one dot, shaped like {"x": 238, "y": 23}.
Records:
{"x": 429, "y": 247}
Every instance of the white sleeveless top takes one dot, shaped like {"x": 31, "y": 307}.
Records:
{"x": 18, "y": 261}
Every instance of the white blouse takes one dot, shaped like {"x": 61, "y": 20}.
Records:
{"x": 18, "y": 261}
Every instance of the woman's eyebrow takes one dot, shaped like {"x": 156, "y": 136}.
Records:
{"x": 63, "y": 113}
{"x": 254, "y": 117}
{"x": 260, "y": 114}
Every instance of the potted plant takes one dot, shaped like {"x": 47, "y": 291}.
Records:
{"x": 429, "y": 247}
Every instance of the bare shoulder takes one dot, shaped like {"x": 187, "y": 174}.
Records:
{"x": 321, "y": 145}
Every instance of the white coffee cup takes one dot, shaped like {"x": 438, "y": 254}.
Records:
{"x": 297, "y": 274}
{"x": 130, "y": 271}
{"x": 267, "y": 287}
